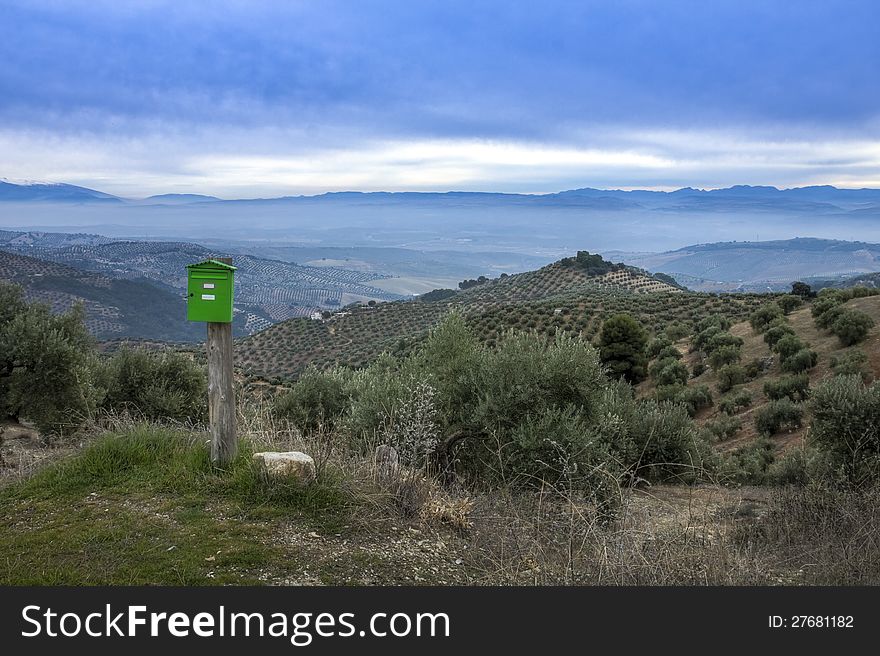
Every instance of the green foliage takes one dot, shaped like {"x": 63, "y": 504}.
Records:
{"x": 155, "y": 385}
{"x": 316, "y": 401}
{"x": 676, "y": 331}
{"x": 669, "y": 371}
{"x": 796, "y": 388}
{"x": 851, "y": 326}
{"x": 803, "y": 360}
{"x": 622, "y": 344}
{"x": 693, "y": 398}
{"x": 723, "y": 427}
{"x": 776, "y": 332}
{"x": 729, "y": 376}
{"x": 789, "y": 303}
{"x": 733, "y": 402}
{"x": 846, "y": 427}
{"x": 782, "y": 414}
{"x": 748, "y": 465}
{"x": 851, "y": 363}
{"x": 590, "y": 264}
{"x": 45, "y": 364}
{"x": 788, "y": 345}
{"x": 802, "y": 290}
{"x": 656, "y": 345}
{"x": 761, "y": 318}
{"x": 724, "y": 355}
{"x": 699, "y": 369}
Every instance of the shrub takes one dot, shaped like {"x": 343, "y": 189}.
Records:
{"x": 669, "y": 372}
{"x": 803, "y": 360}
{"x": 782, "y": 414}
{"x": 721, "y": 340}
{"x": 761, "y": 318}
{"x": 676, "y": 331}
{"x": 622, "y": 345}
{"x": 723, "y": 427}
{"x": 739, "y": 399}
{"x": 729, "y": 376}
{"x": 788, "y": 346}
{"x": 162, "y": 385}
{"x": 699, "y": 369}
{"x": 46, "y": 364}
{"x": 802, "y": 289}
{"x": 796, "y": 388}
{"x": 748, "y": 465}
{"x": 656, "y": 345}
{"x": 317, "y": 400}
{"x": 851, "y": 363}
{"x": 669, "y": 352}
{"x": 789, "y": 302}
{"x": 852, "y": 326}
{"x": 846, "y": 426}
{"x": 776, "y": 332}
{"x": 725, "y": 355}
{"x": 693, "y": 398}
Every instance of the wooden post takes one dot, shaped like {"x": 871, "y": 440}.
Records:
{"x": 221, "y": 395}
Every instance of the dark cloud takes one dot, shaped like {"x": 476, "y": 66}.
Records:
{"x": 504, "y": 69}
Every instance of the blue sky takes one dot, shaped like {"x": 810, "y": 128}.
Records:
{"x": 253, "y": 98}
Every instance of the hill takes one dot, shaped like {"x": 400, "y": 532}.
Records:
{"x": 560, "y": 296}
{"x": 114, "y": 308}
{"x": 267, "y": 290}
{"x": 760, "y": 265}
{"x": 52, "y": 193}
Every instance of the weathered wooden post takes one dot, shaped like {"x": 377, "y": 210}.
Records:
{"x": 209, "y": 298}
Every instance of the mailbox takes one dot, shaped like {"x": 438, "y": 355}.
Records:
{"x": 209, "y": 291}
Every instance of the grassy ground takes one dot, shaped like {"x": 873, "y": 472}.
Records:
{"x": 144, "y": 506}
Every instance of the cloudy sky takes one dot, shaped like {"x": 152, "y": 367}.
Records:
{"x": 249, "y": 98}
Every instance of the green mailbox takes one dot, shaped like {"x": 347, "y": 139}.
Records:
{"x": 209, "y": 291}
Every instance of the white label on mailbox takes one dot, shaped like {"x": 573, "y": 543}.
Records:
{"x": 208, "y": 285}
{"x": 207, "y": 297}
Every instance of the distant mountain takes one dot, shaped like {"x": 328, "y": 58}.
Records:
{"x": 759, "y": 266}
{"x": 179, "y": 199}
{"x": 52, "y": 193}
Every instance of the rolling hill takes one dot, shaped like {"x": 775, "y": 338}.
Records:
{"x": 114, "y": 308}
{"x": 760, "y": 265}
{"x": 559, "y": 296}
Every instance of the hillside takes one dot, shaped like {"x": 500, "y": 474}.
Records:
{"x": 827, "y": 346}
{"x": 114, "y": 308}
{"x": 761, "y": 265}
{"x": 267, "y": 290}
{"x": 555, "y": 297}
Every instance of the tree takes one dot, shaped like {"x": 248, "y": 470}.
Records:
{"x": 45, "y": 364}
{"x": 622, "y": 344}
{"x": 789, "y": 302}
{"x": 852, "y": 326}
{"x": 802, "y": 289}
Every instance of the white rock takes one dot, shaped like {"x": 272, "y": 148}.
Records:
{"x": 291, "y": 466}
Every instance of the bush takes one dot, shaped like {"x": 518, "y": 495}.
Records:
{"x": 724, "y": 355}
{"x": 782, "y": 414}
{"x": 739, "y": 399}
{"x": 846, "y": 426}
{"x": 789, "y": 302}
{"x": 729, "y": 376}
{"x": 852, "y": 326}
{"x": 159, "y": 386}
{"x": 776, "y": 332}
{"x": 676, "y": 331}
{"x": 724, "y": 427}
{"x": 851, "y": 363}
{"x": 693, "y": 398}
{"x": 47, "y": 364}
{"x": 761, "y": 318}
{"x": 656, "y": 345}
{"x": 788, "y": 346}
{"x": 699, "y": 369}
{"x": 317, "y": 400}
{"x": 796, "y": 388}
{"x": 803, "y": 360}
{"x": 622, "y": 345}
{"x": 669, "y": 372}
{"x": 669, "y": 352}
{"x": 748, "y": 465}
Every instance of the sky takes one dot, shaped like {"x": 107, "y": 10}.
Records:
{"x": 256, "y": 99}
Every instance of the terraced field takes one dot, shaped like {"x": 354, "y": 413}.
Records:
{"x": 550, "y": 299}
